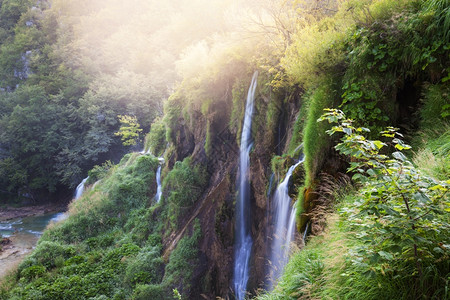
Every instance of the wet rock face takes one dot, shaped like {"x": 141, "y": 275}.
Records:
{"x": 216, "y": 208}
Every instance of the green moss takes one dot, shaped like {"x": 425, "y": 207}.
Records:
{"x": 238, "y": 107}
{"x": 208, "y": 140}
{"x": 146, "y": 267}
{"x": 297, "y": 130}
{"x": 316, "y": 142}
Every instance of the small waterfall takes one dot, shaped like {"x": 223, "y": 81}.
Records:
{"x": 244, "y": 241}
{"x": 305, "y": 233}
{"x": 80, "y": 189}
{"x": 158, "y": 180}
{"x": 284, "y": 225}
{"x": 78, "y": 192}
{"x": 159, "y": 187}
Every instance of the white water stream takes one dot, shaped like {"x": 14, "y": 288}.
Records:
{"x": 243, "y": 244}
{"x": 284, "y": 226}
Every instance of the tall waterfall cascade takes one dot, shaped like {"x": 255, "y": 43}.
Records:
{"x": 158, "y": 180}
{"x": 243, "y": 240}
{"x": 284, "y": 225}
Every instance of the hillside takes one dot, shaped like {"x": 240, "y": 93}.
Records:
{"x": 280, "y": 115}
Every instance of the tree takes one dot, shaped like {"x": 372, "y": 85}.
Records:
{"x": 129, "y": 130}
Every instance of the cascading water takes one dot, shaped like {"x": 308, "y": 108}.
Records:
{"x": 284, "y": 224}
{"x": 80, "y": 189}
{"x": 78, "y": 192}
{"x": 158, "y": 183}
{"x": 244, "y": 241}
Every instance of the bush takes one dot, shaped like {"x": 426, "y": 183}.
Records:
{"x": 401, "y": 217}
{"x": 182, "y": 187}
{"x": 146, "y": 267}
{"x": 46, "y": 254}
{"x": 182, "y": 262}
{"x": 33, "y": 272}
{"x": 148, "y": 291}
{"x": 129, "y": 187}
{"x": 156, "y": 138}
{"x": 99, "y": 172}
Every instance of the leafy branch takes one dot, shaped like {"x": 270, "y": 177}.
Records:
{"x": 401, "y": 212}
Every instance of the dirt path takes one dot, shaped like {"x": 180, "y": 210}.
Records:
{"x": 14, "y": 252}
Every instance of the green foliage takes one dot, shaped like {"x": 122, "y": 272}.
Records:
{"x": 33, "y": 272}
{"x": 359, "y": 102}
{"x": 440, "y": 9}
{"x": 401, "y": 210}
{"x": 315, "y": 141}
{"x": 148, "y": 291}
{"x": 433, "y": 113}
{"x": 317, "y": 47}
{"x": 179, "y": 270}
{"x": 172, "y": 110}
{"x": 99, "y": 172}
{"x": 146, "y": 267}
{"x": 156, "y": 138}
{"x": 297, "y": 131}
{"x": 130, "y": 186}
{"x": 140, "y": 224}
{"x": 182, "y": 187}
{"x": 208, "y": 139}
{"x": 238, "y": 107}
{"x": 46, "y": 254}
{"x": 129, "y": 130}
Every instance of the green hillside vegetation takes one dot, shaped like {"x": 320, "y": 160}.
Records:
{"x": 110, "y": 246}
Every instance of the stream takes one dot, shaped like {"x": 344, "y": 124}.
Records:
{"x": 24, "y": 234}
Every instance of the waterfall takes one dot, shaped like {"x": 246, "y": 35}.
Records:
{"x": 80, "y": 189}
{"x": 158, "y": 182}
{"x": 244, "y": 241}
{"x": 78, "y": 192}
{"x": 284, "y": 225}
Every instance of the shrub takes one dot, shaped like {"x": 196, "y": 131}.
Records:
{"x": 401, "y": 211}
{"x": 146, "y": 267}
{"x": 182, "y": 262}
{"x": 46, "y": 254}
{"x": 182, "y": 187}
{"x": 33, "y": 272}
{"x": 99, "y": 172}
{"x": 148, "y": 291}
{"x": 156, "y": 138}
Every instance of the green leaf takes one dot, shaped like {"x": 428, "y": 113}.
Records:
{"x": 347, "y": 131}
{"x": 371, "y": 172}
{"x": 398, "y": 155}
{"x": 386, "y": 255}
{"x": 379, "y": 144}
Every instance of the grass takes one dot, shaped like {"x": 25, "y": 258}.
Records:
{"x": 316, "y": 141}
